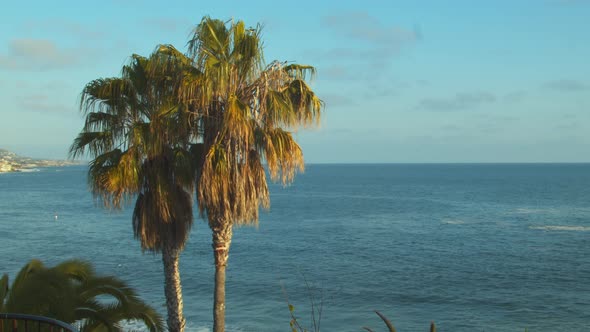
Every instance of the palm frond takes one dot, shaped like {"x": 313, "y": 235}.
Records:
{"x": 76, "y": 269}
{"x": 3, "y": 291}
{"x": 72, "y": 292}
{"x": 279, "y": 110}
{"x": 283, "y": 155}
{"x": 387, "y": 322}
{"x": 41, "y": 291}
{"x": 108, "y": 95}
{"x": 106, "y": 286}
{"x": 246, "y": 112}
{"x": 94, "y": 315}
{"x": 300, "y": 72}
{"x": 307, "y": 105}
{"x": 99, "y": 121}
{"x": 34, "y": 266}
{"x": 115, "y": 176}
{"x": 157, "y": 223}
{"x": 92, "y": 142}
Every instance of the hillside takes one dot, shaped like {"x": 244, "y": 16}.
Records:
{"x": 11, "y": 162}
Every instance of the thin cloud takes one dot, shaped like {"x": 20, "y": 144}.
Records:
{"x": 81, "y": 31}
{"x": 37, "y": 54}
{"x": 386, "y": 89}
{"x": 336, "y": 73}
{"x": 337, "y": 100}
{"x": 168, "y": 24}
{"x": 515, "y": 96}
{"x": 569, "y": 116}
{"x": 379, "y": 42}
{"x": 461, "y": 101}
{"x": 570, "y": 2}
{"x": 42, "y": 103}
{"x": 568, "y": 126}
{"x": 452, "y": 128}
{"x": 362, "y": 26}
{"x": 381, "y": 92}
{"x": 566, "y": 85}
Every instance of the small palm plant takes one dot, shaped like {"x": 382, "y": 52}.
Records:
{"x": 73, "y": 293}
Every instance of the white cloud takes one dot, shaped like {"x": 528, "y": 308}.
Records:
{"x": 37, "y": 54}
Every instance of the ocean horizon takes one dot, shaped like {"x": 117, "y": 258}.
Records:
{"x": 470, "y": 246}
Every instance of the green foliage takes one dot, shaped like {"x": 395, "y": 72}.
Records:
{"x": 296, "y": 326}
{"x": 315, "y": 315}
{"x": 72, "y": 292}
{"x": 390, "y": 326}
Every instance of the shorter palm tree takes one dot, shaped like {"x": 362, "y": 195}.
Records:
{"x": 138, "y": 136}
{"x": 72, "y": 292}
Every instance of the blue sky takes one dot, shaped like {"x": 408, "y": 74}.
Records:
{"x": 403, "y": 81}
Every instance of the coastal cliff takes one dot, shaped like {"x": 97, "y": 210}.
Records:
{"x": 11, "y": 162}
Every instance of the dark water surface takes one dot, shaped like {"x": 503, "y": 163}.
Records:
{"x": 472, "y": 247}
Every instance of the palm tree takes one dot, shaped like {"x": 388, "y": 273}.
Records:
{"x": 245, "y": 113}
{"x": 73, "y": 293}
{"x": 139, "y": 137}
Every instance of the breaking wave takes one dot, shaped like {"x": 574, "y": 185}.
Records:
{"x": 562, "y": 228}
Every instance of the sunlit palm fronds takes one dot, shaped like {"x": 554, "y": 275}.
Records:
{"x": 138, "y": 132}
{"x": 248, "y": 108}
{"x": 246, "y": 113}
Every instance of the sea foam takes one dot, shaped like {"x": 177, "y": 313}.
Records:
{"x": 452, "y": 222}
{"x": 562, "y": 228}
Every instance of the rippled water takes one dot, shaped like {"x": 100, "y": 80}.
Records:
{"x": 472, "y": 247}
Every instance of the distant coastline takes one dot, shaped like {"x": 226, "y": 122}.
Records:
{"x": 11, "y": 162}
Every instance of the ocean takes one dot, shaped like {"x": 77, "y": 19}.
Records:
{"x": 472, "y": 247}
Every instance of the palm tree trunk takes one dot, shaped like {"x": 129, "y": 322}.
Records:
{"x": 221, "y": 243}
{"x": 172, "y": 289}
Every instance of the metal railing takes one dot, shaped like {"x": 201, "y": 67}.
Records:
{"x": 30, "y": 323}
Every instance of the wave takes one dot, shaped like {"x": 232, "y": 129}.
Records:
{"x": 29, "y": 170}
{"x": 562, "y": 228}
{"x": 132, "y": 325}
{"x": 452, "y": 222}
{"x": 533, "y": 211}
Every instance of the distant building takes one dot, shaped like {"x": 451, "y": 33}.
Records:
{"x": 5, "y": 167}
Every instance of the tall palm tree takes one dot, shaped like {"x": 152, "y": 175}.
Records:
{"x": 73, "y": 293}
{"x": 246, "y": 112}
{"x": 139, "y": 137}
